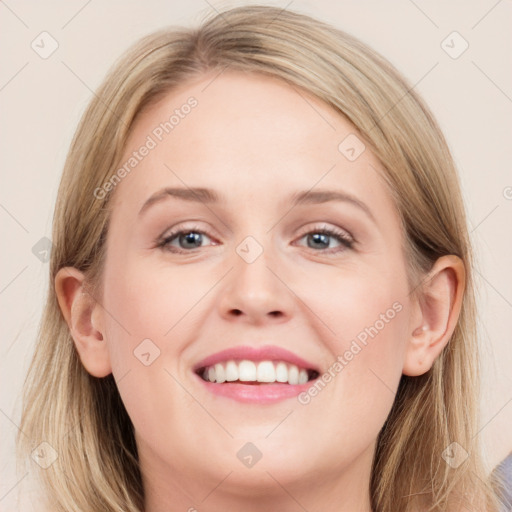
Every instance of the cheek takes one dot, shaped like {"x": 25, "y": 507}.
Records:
{"x": 368, "y": 319}
{"x": 356, "y": 391}
{"x": 373, "y": 353}
{"x": 145, "y": 324}
{"x": 358, "y": 304}
{"x": 148, "y": 300}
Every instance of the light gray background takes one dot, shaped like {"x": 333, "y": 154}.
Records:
{"x": 41, "y": 101}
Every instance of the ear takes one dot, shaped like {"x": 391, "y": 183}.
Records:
{"x": 85, "y": 321}
{"x": 435, "y": 314}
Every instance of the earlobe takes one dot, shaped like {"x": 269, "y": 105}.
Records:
{"x": 83, "y": 316}
{"x": 437, "y": 313}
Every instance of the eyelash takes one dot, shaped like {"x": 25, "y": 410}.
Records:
{"x": 341, "y": 236}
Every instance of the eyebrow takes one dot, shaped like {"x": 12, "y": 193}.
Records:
{"x": 209, "y": 196}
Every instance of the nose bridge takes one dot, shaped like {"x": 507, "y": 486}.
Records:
{"x": 254, "y": 258}
{"x": 254, "y": 289}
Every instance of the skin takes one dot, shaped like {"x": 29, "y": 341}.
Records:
{"x": 255, "y": 140}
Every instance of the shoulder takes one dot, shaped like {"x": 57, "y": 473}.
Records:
{"x": 502, "y": 473}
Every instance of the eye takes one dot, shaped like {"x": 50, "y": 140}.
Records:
{"x": 187, "y": 240}
{"x": 319, "y": 239}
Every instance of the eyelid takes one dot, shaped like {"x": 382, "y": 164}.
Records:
{"x": 344, "y": 237}
{"x": 327, "y": 227}
{"x": 173, "y": 232}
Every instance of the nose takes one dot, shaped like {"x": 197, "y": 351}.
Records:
{"x": 256, "y": 292}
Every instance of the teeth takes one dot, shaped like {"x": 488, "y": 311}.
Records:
{"x": 293, "y": 375}
{"x": 220, "y": 374}
{"x": 266, "y": 372}
{"x": 231, "y": 371}
{"x": 249, "y": 371}
{"x": 281, "y": 372}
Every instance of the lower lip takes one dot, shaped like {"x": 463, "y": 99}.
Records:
{"x": 255, "y": 393}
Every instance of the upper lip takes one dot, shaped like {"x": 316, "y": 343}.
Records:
{"x": 261, "y": 353}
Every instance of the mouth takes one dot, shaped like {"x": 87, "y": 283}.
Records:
{"x": 250, "y": 372}
{"x": 257, "y": 375}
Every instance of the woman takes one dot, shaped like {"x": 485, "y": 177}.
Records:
{"x": 315, "y": 347}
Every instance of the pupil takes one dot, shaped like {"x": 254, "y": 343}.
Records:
{"x": 320, "y": 237}
{"x": 195, "y": 238}
{"x": 192, "y": 238}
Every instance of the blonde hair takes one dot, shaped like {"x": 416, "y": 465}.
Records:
{"x": 83, "y": 417}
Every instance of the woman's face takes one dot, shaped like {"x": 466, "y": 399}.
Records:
{"x": 253, "y": 270}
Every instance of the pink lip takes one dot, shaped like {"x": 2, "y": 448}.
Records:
{"x": 263, "y": 353}
{"x": 255, "y": 393}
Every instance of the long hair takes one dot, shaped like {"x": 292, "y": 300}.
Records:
{"x": 83, "y": 418}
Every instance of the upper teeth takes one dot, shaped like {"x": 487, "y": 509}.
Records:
{"x": 249, "y": 371}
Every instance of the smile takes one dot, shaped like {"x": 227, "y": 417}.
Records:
{"x": 259, "y": 375}
{"x": 256, "y": 372}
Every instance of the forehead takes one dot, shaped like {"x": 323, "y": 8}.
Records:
{"x": 243, "y": 114}
{"x": 250, "y": 135}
